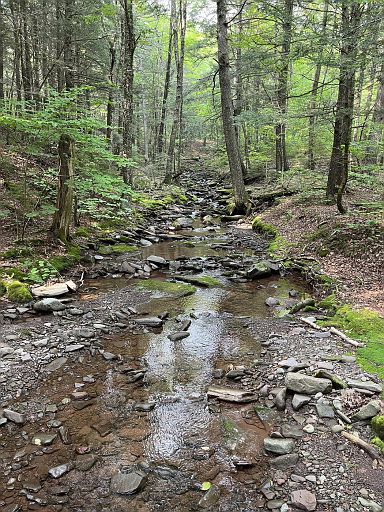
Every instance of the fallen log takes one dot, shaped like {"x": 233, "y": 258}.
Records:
{"x": 332, "y": 330}
{"x": 368, "y": 448}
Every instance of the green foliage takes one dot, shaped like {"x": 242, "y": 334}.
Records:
{"x": 166, "y": 287}
{"x": 41, "y": 271}
{"x": 329, "y": 303}
{"x": 3, "y": 288}
{"x": 18, "y": 292}
{"x": 117, "y": 249}
{"x": 376, "y": 441}
{"x": 377, "y": 425}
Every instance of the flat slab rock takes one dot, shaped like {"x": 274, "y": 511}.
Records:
{"x": 368, "y": 385}
{"x": 54, "y": 290}
{"x": 150, "y": 321}
{"x": 307, "y": 385}
{"x": 231, "y": 395}
{"x": 128, "y": 483}
{"x": 279, "y": 446}
{"x": 304, "y": 500}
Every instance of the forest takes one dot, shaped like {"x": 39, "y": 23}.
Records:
{"x": 191, "y": 255}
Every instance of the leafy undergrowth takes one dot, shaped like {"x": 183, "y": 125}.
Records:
{"x": 365, "y": 325}
{"x": 167, "y": 287}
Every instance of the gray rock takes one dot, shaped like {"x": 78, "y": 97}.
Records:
{"x": 178, "y": 336}
{"x": 300, "y": 400}
{"x": 274, "y": 504}
{"x": 150, "y": 321}
{"x": 285, "y": 461}
{"x": 368, "y": 385}
{"x": 210, "y": 498}
{"x": 235, "y": 374}
{"x": 280, "y": 399}
{"x": 59, "y": 471}
{"x": 5, "y": 351}
{"x": 336, "y": 429}
{"x": 54, "y": 290}
{"x": 127, "y": 268}
{"x": 279, "y": 446}
{"x": 84, "y": 332}
{"x": 324, "y": 410}
{"x": 368, "y": 411}
{"x": 157, "y": 260}
{"x": 258, "y": 271}
{"x": 48, "y": 305}
{"x": 14, "y": 416}
{"x": 56, "y": 364}
{"x": 272, "y": 301}
{"x": 306, "y": 384}
{"x": 371, "y": 505}
{"x": 108, "y": 356}
{"x": 337, "y": 382}
{"x": 291, "y": 430}
{"x": 304, "y": 500}
{"x": 43, "y": 439}
{"x": 73, "y": 348}
{"x": 128, "y": 483}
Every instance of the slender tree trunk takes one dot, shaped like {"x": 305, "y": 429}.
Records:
{"x": 111, "y": 93}
{"x": 59, "y": 47}
{"x": 339, "y": 166}
{"x": 282, "y": 89}
{"x": 68, "y": 52}
{"x": 368, "y": 103}
{"x": 16, "y": 47}
{"x": 26, "y": 54}
{"x": 2, "y": 50}
{"x": 239, "y": 102}
{"x": 63, "y": 216}
{"x": 314, "y": 92}
{"x": 376, "y": 133}
{"x": 240, "y": 195}
{"x": 160, "y": 136}
{"x": 179, "y": 30}
{"x": 129, "y": 45}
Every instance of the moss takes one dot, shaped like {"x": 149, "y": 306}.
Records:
{"x": 66, "y": 261}
{"x": 229, "y": 427}
{"x": 377, "y": 425}
{"x": 3, "y": 288}
{"x": 278, "y": 247}
{"x": 18, "y": 292}
{"x": 182, "y": 290}
{"x": 263, "y": 227}
{"x": 365, "y": 325}
{"x": 82, "y": 231}
{"x": 325, "y": 281}
{"x": 330, "y": 303}
{"x": 15, "y": 253}
{"x": 204, "y": 281}
{"x": 14, "y": 273}
{"x": 117, "y": 249}
{"x": 376, "y": 441}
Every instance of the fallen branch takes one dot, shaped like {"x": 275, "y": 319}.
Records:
{"x": 372, "y": 452}
{"x": 332, "y": 330}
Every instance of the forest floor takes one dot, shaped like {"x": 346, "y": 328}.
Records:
{"x": 112, "y": 400}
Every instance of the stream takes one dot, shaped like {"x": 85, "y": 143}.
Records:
{"x": 126, "y": 424}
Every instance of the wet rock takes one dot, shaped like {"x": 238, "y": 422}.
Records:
{"x": 258, "y": 271}
{"x": 272, "y": 301}
{"x": 64, "y": 435}
{"x": 299, "y": 400}
{"x": 56, "y": 364}
{"x": 150, "y": 321}
{"x": 128, "y": 483}
{"x": 73, "y": 348}
{"x": 235, "y": 374}
{"x": 157, "y": 260}
{"x": 231, "y": 395}
{"x": 43, "y": 439}
{"x": 368, "y": 385}
{"x": 210, "y": 498}
{"x": 183, "y": 222}
{"x": 304, "y": 500}
{"x": 82, "y": 404}
{"x": 144, "y": 407}
{"x": 49, "y": 305}
{"x": 279, "y": 446}
{"x": 368, "y": 411}
{"x": 185, "y": 325}
{"x": 54, "y": 290}
{"x": 13, "y": 416}
{"x": 59, "y": 471}
{"x": 280, "y": 399}
{"x": 306, "y": 384}
{"x": 285, "y": 461}
{"x": 178, "y": 336}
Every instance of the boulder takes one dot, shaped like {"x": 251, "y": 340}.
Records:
{"x": 49, "y": 305}
{"x": 307, "y": 385}
{"x": 278, "y": 445}
{"x": 304, "y": 500}
{"x": 54, "y": 290}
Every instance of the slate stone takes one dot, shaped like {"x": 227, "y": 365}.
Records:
{"x": 279, "y": 446}
{"x": 368, "y": 411}
{"x": 157, "y": 260}
{"x": 306, "y": 384}
{"x": 285, "y": 461}
{"x": 49, "y": 305}
{"x": 304, "y": 500}
{"x": 56, "y": 364}
{"x": 178, "y": 336}
{"x": 14, "y": 416}
{"x": 299, "y": 400}
{"x": 128, "y": 483}
{"x": 368, "y": 385}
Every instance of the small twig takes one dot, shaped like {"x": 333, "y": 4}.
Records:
{"x": 334, "y": 331}
{"x": 372, "y": 452}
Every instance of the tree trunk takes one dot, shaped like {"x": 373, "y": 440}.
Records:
{"x": 239, "y": 102}
{"x": 111, "y": 94}
{"x": 160, "y": 137}
{"x": 26, "y": 53}
{"x": 2, "y": 50}
{"x": 376, "y": 133}
{"x": 63, "y": 216}
{"x": 282, "y": 89}
{"x": 240, "y": 195}
{"x": 179, "y": 30}
{"x": 16, "y": 48}
{"x": 314, "y": 92}
{"x": 129, "y": 45}
{"x": 339, "y": 165}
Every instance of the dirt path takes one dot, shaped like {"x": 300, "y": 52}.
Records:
{"x": 112, "y": 391}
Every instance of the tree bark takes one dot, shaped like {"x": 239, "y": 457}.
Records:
{"x": 160, "y": 136}
{"x": 240, "y": 195}
{"x": 339, "y": 165}
{"x": 2, "y": 50}
{"x": 63, "y": 216}
{"x": 373, "y": 155}
{"x": 282, "y": 164}
{"x": 111, "y": 94}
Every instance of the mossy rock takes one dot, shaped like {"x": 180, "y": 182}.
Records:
{"x": 376, "y": 441}
{"x": 330, "y": 302}
{"x": 15, "y": 253}
{"x": 82, "y": 231}
{"x": 203, "y": 281}
{"x": 167, "y": 287}
{"x": 3, "y": 288}
{"x": 377, "y": 425}
{"x": 117, "y": 249}
{"x": 263, "y": 227}
{"x": 14, "y": 273}
{"x": 18, "y": 292}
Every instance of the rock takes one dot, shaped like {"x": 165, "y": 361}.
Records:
{"x": 275, "y": 504}
{"x": 371, "y": 505}
{"x": 300, "y": 400}
{"x": 210, "y": 498}
{"x": 59, "y": 471}
{"x": 127, "y": 268}
{"x": 109, "y": 356}
{"x": 279, "y": 446}
{"x": 73, "y": 348}
{"x": 304, "y": 500}
{"x": 84, "y": 332}
{"x": 337, "y": 382}
{"x": 11, "y": 508}
{"x": 368, "y": 385}
{"x": 258, "y": 271}
{"x": 309, "y": 429}
{"x": 287, "y": 363}
{"x": 85, "y": 462}
{"x": 368, "y": 411}
{"x": 150, "y": 321}
{"x": 306, "y": 384}
{"x": 48, "y": 305}
{"x": 128, "y": 483}
{"x": 145, "y": 243}
{"x": 54, "y": 290}
{"x": 56, "y": 364}
{"x": 280, "y": 399}
{"x": 6, "y": 351}
{"x": 235, "y": 374}
{"x": 183, "y": 222}
{"x": 285, "y": 461}
{"x": 231, "y": 395}
{"x": 336, "y": 429}
{"x": 291, "y": 430}
{"x": 218, "y": 373}
{"x": 144, "y": 407}
{"x": 14, "y": 416}
{"x": 43, "y": 439}
{"x": 178, "y": 336}
{"x": 272, "y": 301}
{"x": 157, "y": 260}
{"x": 324, "y": 410}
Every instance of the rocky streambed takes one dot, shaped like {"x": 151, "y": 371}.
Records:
{"x": 174, "y": 380}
